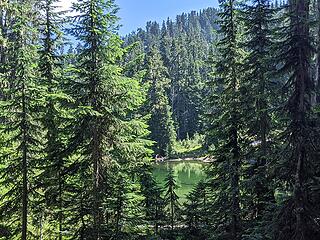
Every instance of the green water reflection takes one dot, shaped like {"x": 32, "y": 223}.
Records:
{"x": 188, "y": 174}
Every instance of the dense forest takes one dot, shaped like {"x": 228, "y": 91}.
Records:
{"x": 85, "y": 114}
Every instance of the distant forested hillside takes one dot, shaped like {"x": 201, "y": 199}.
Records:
{"x": 183, "y": 45}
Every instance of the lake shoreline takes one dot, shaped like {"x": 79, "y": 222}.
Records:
{"x": 200, "y": 159}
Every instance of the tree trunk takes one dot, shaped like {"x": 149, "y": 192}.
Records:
{"x": 24, "y": 165}
{"x": 96, "y": 185}
{"x": 234, "y": 144}
{"x": 317, "y": 74}
{"x": 299, "y": 111}
{"x": 60, "y": 206}
{"x": 96, "y": 154}
{"x": 156, "y": 226}
{"x": 235, "y": 165}
{"x": 172, "y": 211}
{"x": 3, "y": 34}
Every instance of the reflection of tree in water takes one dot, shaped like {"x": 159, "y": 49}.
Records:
{"x": 187, "y": 167}
{"x": 187, "y": 173}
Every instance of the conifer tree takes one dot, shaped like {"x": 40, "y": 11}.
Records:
{"x": 153, "y": 201}
{"x": 257, "y": 17}
{"x": 225, "y": 110}
{"x": 165, "y": 45}
{"x": 298, "y": 210}
{"x": 128, "y": 209}
{"x": 93, "y": 27}
{"x": 171, "y": 198}
{"x": 54, "y": 117}
{"x": 107, "y": 131}
{"x": 179, "y": 74}
{"x": 20, "y": 127}
{"x": 195, "y": 210}
{"x": 161, "y": 123}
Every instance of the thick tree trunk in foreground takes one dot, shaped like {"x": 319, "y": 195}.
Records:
{"x": 299, "y": 107}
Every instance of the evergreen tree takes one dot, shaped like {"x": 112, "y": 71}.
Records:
{"x": 165, "y": 45}
{"x": 226, "y": 111}
{"x": 258, "y": 19}
{"x": 171, "y": 198}
{"x": 153, "y": 201}
{"x": 107, "y": 131}
{"x": 161, "y": 123}
{"x": 93, "y": 28}
{"x": 298, "y": 209}
{"x": 178, "y": 89}
{"x": 20, "y": 126}
{"x": 55, "y": 115}
{"x": 195, "y": 210}
{"x": 128, "y": 209}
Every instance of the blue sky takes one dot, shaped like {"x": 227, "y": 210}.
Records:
{"x": 135, "y": 13}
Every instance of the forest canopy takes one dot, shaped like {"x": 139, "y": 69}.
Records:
{"x": 86, "y": 115}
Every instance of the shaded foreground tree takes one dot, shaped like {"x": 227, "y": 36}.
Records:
{"x": 55, "y": 117}
{"x": 258, "y": 198}
{"x": 153, "y": 201}
{"x": 299, "y": 211}
{"x": 225, "y": 116}
{"x": 196, "y": 210}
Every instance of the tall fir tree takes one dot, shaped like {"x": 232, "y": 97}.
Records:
{"x": 55, "y": 115}
{"x": 258, "y": 89}
{"x": 107, "y": 132}
{"x": 94, "y": 29}
{"x": 297, "y": 165}
{"x": 225, "y": 108}
{"x": 20, "y": 127}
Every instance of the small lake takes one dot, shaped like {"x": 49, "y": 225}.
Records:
{"x": 188, "y": 174}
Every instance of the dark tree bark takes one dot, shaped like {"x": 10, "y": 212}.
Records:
{"x": 317, "y": 67}
{"x": 299, "y": 107}
{"x": 24, "y": 165}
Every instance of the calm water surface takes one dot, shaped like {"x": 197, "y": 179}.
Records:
{"x": 188, "y": 174}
